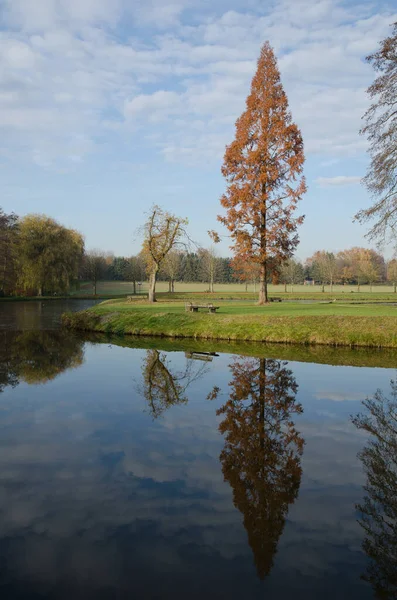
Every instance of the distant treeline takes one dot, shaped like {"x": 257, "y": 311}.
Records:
{"x": 354, "y": 266}
{"x": 39, "y": 256}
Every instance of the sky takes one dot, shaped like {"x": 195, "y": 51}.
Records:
{"x": 110, "y": 106}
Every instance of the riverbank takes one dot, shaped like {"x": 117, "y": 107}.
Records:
{"x": 333, "y": 324}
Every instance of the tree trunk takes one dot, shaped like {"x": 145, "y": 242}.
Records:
{"x": 263, "y": 297}
{"x": 40, "y": 291}
{"x": 332, "y": 284}
{"x": 152, "y": 285}
{"x": 169, "y": 286}
{"x": 95, "y": 288}
{"x": 262, "y": 399}
{"x": 395, "y": 287}
{"x": 246, "y": 286}
{"x": 323, "y": 289}
{"x": 172, "y": 285}
{"x": 370, "y": 287}
{"x": 134, "y": 284}
{"x": 285, "y": 287}
{"x": 358, "y": 287}
{"x": 212, "y": 283}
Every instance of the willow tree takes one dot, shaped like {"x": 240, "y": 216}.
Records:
{"x": 263, "y": 168}
{"x": 381, "y": 131}
{"x": 8, "y": 251}
{"x": 163, "y": 232}
{"x": 49, "y": 254}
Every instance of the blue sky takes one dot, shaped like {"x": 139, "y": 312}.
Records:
{"x": 108, "y": 106}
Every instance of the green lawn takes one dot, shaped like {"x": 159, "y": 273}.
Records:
{"x": 116, "y": 288}
{"x": 283, "y": 309}
{"x": 334, "y": 324}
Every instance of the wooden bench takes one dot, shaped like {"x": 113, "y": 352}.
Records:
{"x": 275, "y": 299}
{"x": 196, "y": 307}
{"x": 206, "y": 356}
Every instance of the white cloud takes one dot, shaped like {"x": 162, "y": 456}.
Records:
{"x": 69, "y": 71}
{"x": 157, "y": 106}
{"x": 339, "y": 180}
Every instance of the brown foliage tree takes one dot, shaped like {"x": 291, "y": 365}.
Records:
{"x": 245, "y": 271}
{"x": 381, "y": 131}
{"x": 262, "y": 453}
{"x": 263, "y": 168}
{"x": 378, "y": 511}
{"x": 163, "y": 232}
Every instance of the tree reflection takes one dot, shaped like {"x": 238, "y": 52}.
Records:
{"x": 8, "y": 368}
{"x": 37, "y": 356}
{"x": 262, "y": 455}
{"x": 163, "y": 387}
{"x": 378, "y": 511}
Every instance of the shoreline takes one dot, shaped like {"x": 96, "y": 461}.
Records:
{"x": 333, "y": 330}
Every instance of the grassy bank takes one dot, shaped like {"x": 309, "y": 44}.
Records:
{"x": 334, "y": 324}
{"x": 329, "y": 355}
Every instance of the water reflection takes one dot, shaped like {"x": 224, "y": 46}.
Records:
{"x": 261, "y": 459}
{"x": 37, "y": 356}
{"x": 162, "y": 387}
{"x": 378, "y": 511}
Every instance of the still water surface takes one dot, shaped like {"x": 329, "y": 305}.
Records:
{"x": 138, "y": 473}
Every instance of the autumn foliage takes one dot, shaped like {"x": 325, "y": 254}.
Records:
{"x": 263, "y": 168}
{"x": 261, "y": 458}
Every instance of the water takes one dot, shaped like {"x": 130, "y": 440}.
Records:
{"x": 148, "y": 473}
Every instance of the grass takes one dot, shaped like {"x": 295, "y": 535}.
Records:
{"x": 120, "y": 288}
{"x": 187, "y": 291}
{"x": 336, "y": 324}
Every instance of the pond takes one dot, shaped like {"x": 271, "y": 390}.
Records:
{"x": 144, "y": 469}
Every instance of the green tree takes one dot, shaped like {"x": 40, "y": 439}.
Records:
{"x": 49, "y": 254}
{"x": 372, "y": 266}
{"x": 37, "y": 356}
{"x": 8, "y": 252}
{"x": 392, "y": 273}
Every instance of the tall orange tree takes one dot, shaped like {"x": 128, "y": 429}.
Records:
{"x": 263, "y": 168}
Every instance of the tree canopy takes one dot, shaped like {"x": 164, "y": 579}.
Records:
{"x": 49, "y": 254}
{"x": 263, "y": 169}
{"x": 381, "y": 131}
{"x": 163, "y": 232}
